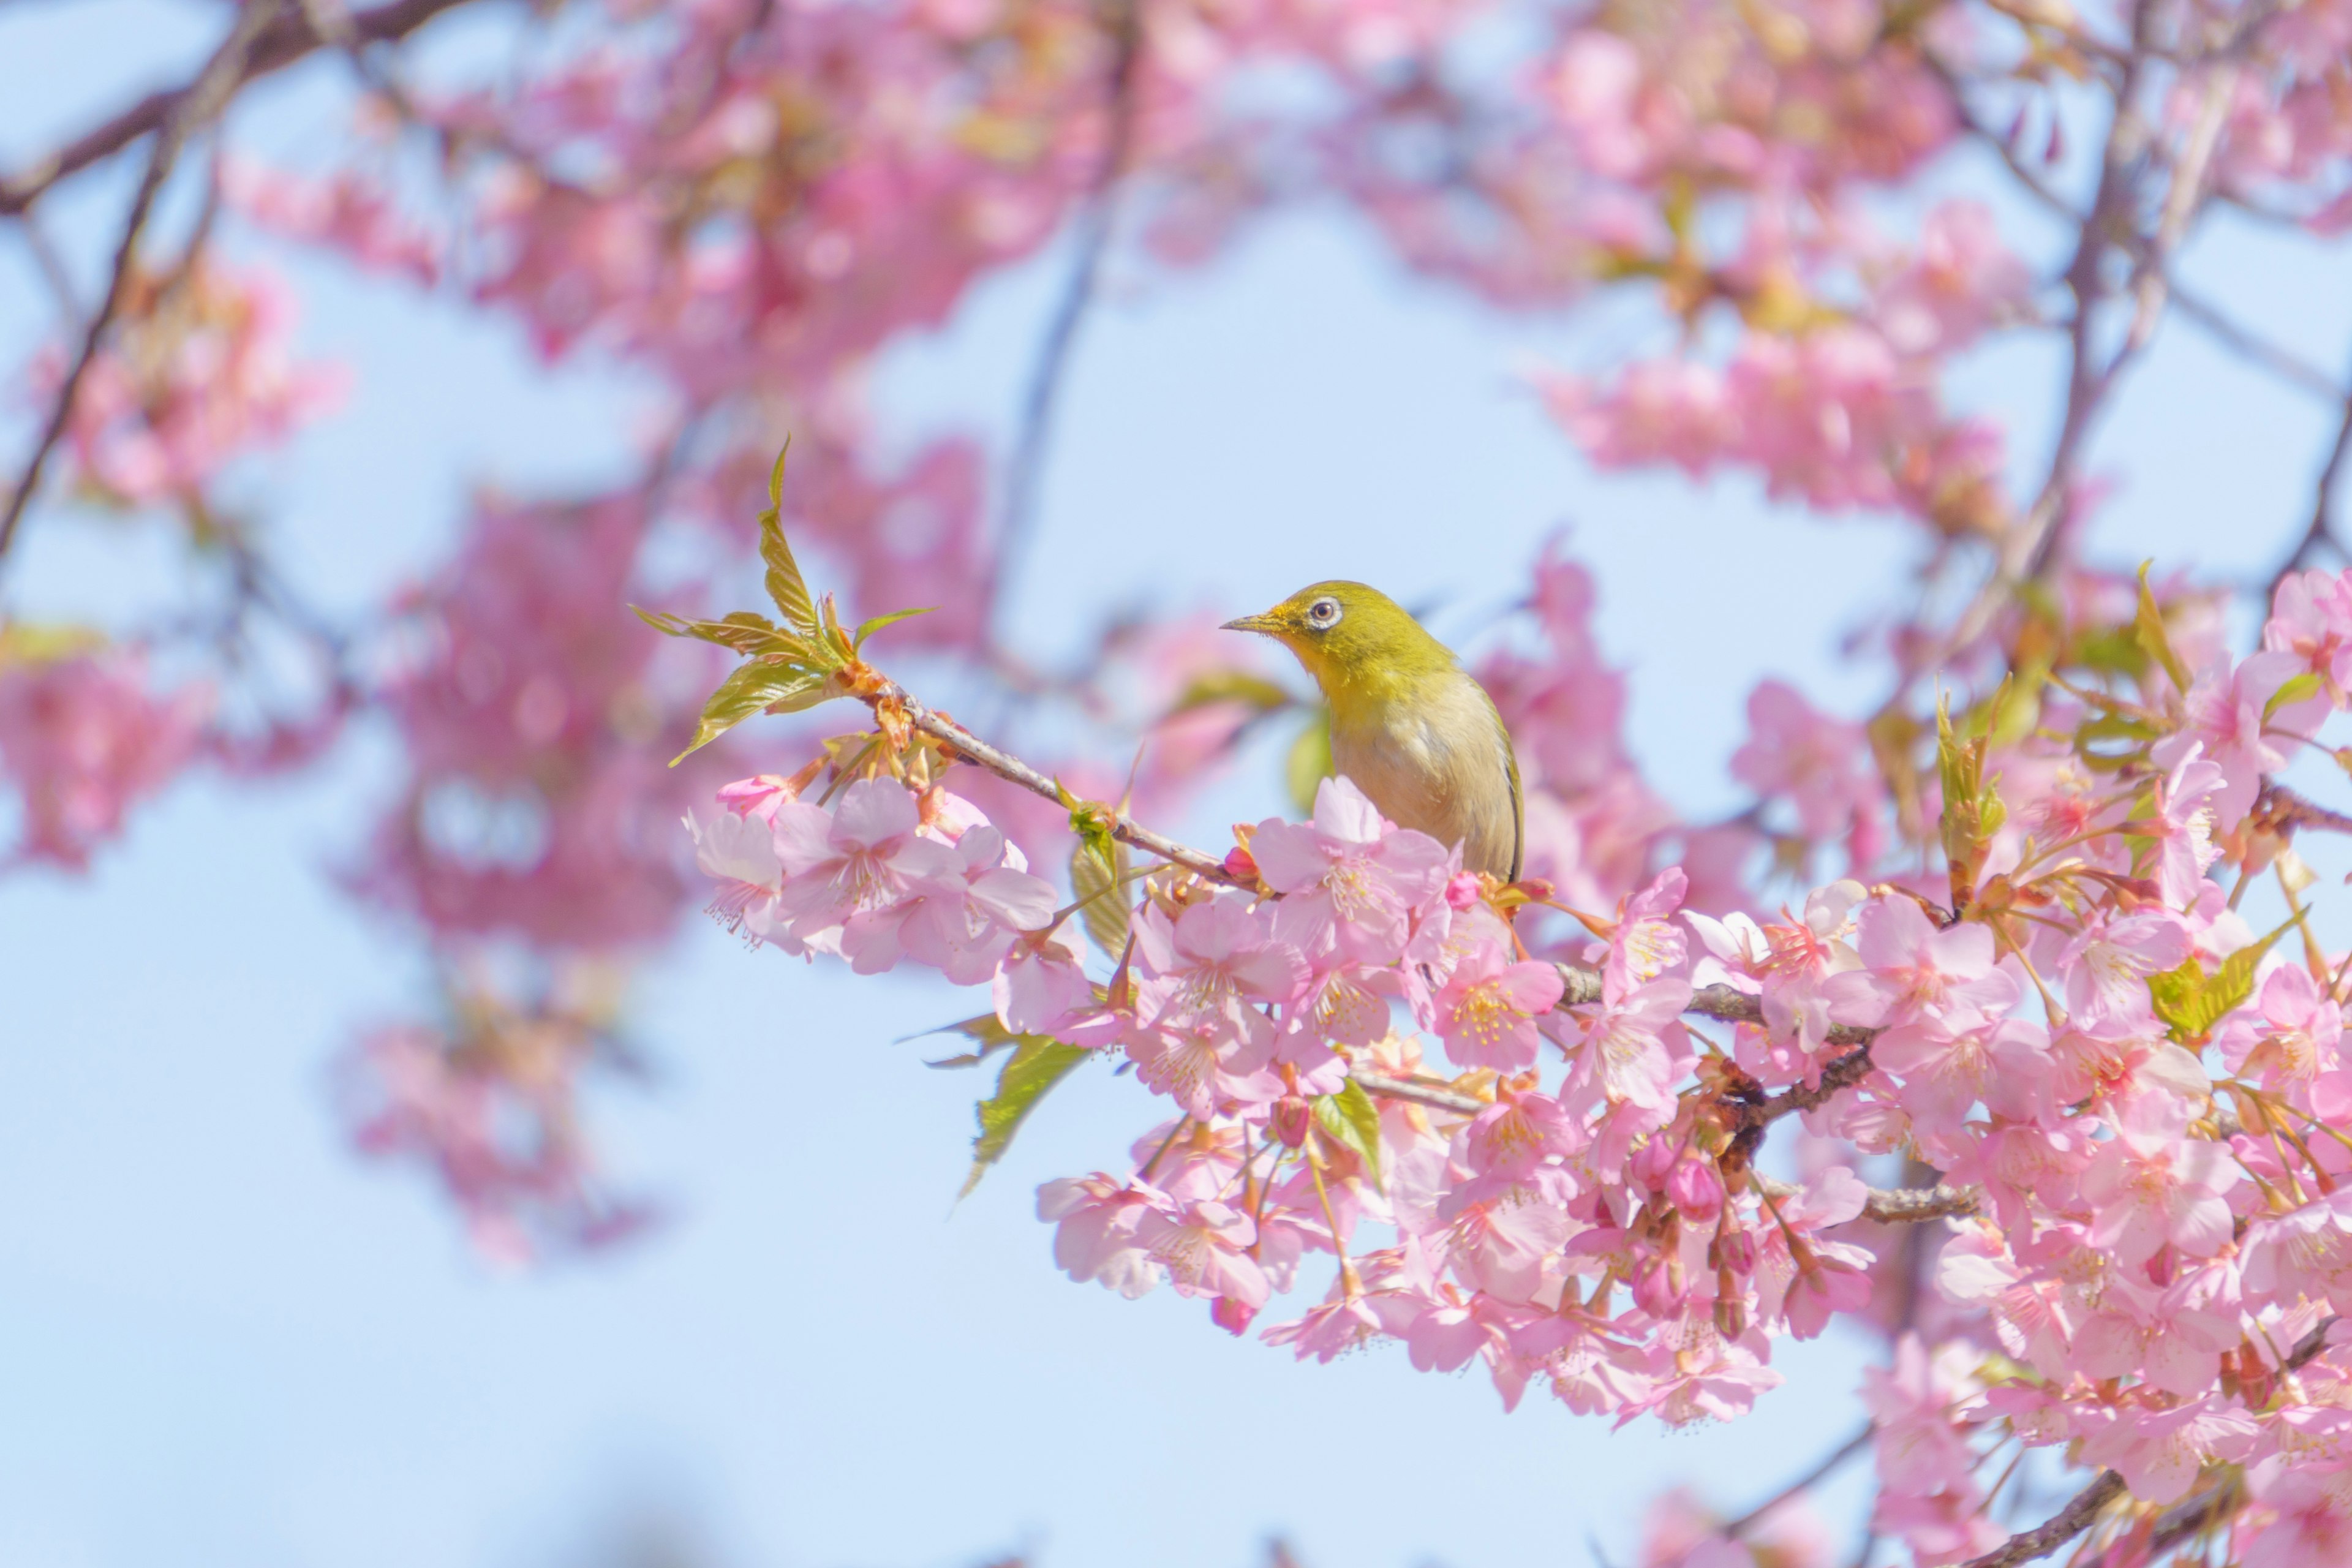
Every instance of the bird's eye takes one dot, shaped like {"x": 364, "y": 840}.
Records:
{"x": 1323, "y": 613}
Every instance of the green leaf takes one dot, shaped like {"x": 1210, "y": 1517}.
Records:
{"x": 2301, "y": 687}
{"x": 1310, "y": 760}
{"x": 987, "y": 1031}
{"x": 749, "y": 634}
{"x": 1098, "y": 870}
{"x": 749, "y": 688}
{"x": 2190, "y": 1001}
{"x": 1231, "y": 686}
{"x": 867, "y": 628}
{"x": 785, "y": 584}
{"x": 1353, "y": 1120}
{"x": 2148, "y": 630}
{"x": 1036, "y": 1065}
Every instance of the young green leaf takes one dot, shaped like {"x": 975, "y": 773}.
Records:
{"x": 1098, "y": 870}
{"x": 2190, "y": 1001}
{"x": 2296, "y": 688}
{"x": 1036, "y": 1065}
{"x": 785, "y": 584}
{"x": 2148, "y": 631}
{"x": 750, "y": 687}
{"x": 746, "y": 633}
{"x": 867, "y": 628}
{"x": 987, "y": 1032}
{"x": 1353, "y": 1120}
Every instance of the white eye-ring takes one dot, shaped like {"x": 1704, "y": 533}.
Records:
{"x": 1323, "y": 613}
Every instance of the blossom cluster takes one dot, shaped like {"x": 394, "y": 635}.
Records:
{"x": 1546, "y": 1164}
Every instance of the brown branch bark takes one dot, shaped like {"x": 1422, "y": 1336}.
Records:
{"x": 285, "y": 39}
{"x": 1026, "y": 471}
{"x": 2182, "y": 1521}
{"x": 2320, "y": 533}
{"x": 192, "y": 110}
{"x": 1846, "y": 1450}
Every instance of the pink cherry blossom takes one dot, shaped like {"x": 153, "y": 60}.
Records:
{"x": 1352, "y": 880}
{"x": 1487, "y": 1009}
{"x": 2154, "y": 1186}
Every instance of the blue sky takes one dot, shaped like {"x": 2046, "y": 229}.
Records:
{"x": 223, "y": 1341}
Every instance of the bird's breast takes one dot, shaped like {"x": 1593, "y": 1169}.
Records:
{"x": 1439, "y": 764}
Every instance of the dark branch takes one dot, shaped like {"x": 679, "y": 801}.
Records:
{"x": 1026, "y": 471}
{"x": 2320, "y": 533}
{"x": 282, "y": 41}
{"x": 191, "y": 109}
{"x": 1846, "y": 1450}
{"x": 2079, "y": 1515}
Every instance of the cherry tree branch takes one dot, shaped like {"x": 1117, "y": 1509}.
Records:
{"x": 284, "y": 39}
{"x": 189, "y": 112}
{"x": 1810, "y": 1478}
{"x": 2079, "y": 1515}
{"x": 1026, "y": 471}
{"x": 970, "y": 747}
{"x": 2320, "y": 533}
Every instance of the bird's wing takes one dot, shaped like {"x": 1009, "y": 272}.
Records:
{"x": 1511, "y": 771}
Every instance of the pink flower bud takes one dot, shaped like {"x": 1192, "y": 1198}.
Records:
{"x": 1655, "y": 1292}
{"x": 1736, "y": 1250}
{"x": 1463, "y": 890}
{"x": 1241, "y": 866}
{"x": 1695, "y": 1187}
{"x": 1292, "y": 1116}
{"x": 745, "y": 797}
{"x": 1231, "y": 1315}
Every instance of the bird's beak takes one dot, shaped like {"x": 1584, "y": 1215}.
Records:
{"x": 1266, "y": 625}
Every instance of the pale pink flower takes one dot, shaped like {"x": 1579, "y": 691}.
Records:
{"x": 1487, "y": 1008}
{"x": 739, "y": 852}
{"x": 961, "y": 924}
{"x": 2309, "y": 1522}
{"x": 1039, "y": 988}
{"x": 1820, "y": 766}
{"x": 864, "y": 854}
{"x": 2152, "y": 1185}
{"x": 2183, "y": 826}
{"x": 2159, "y": 1453}
{"x": 1097, "y": 1223}
{"x": 1628, "y": 1048}
{"x": 81, "y": 739}
{"x": 1203, "y": 1248}
{"x": 2312, "y": 618}
{"x": 1913, "y": 974}
{"x": 2110, "y": 957}
{"x": 1350, "y": 880}
{"x": 2223, "y": 722}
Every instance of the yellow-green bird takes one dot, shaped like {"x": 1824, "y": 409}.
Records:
{"x": 1408, "y": 725}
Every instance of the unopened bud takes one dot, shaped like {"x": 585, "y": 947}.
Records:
{"x": 1696, "y": 1188}
{"x": 1736, "y": 1251}
{"x": 1230, "y": 1315}
{"x": 1654, "y": 1292}
{"x": 1292, "y": 1117}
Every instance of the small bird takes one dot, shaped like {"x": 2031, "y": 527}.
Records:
{"x": 1414, "y": 731}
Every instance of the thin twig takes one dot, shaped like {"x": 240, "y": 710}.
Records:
{"x": 285, "y": 39}
{"x": 1006, "y": 766}
{"x": 192, "y": 110}
{"x": 2320, "y": 533}
{"x": 1900, "y": 1206}
{"x": 1846, "y": 1450}
{"x": 2092, "y": 1500}
{"x": 1027, "y": 470}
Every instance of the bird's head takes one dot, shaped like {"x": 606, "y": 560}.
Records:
{"x": 1348, "y": 635}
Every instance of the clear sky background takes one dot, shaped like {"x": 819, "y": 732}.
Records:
{"x": 224, "y": 1341}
